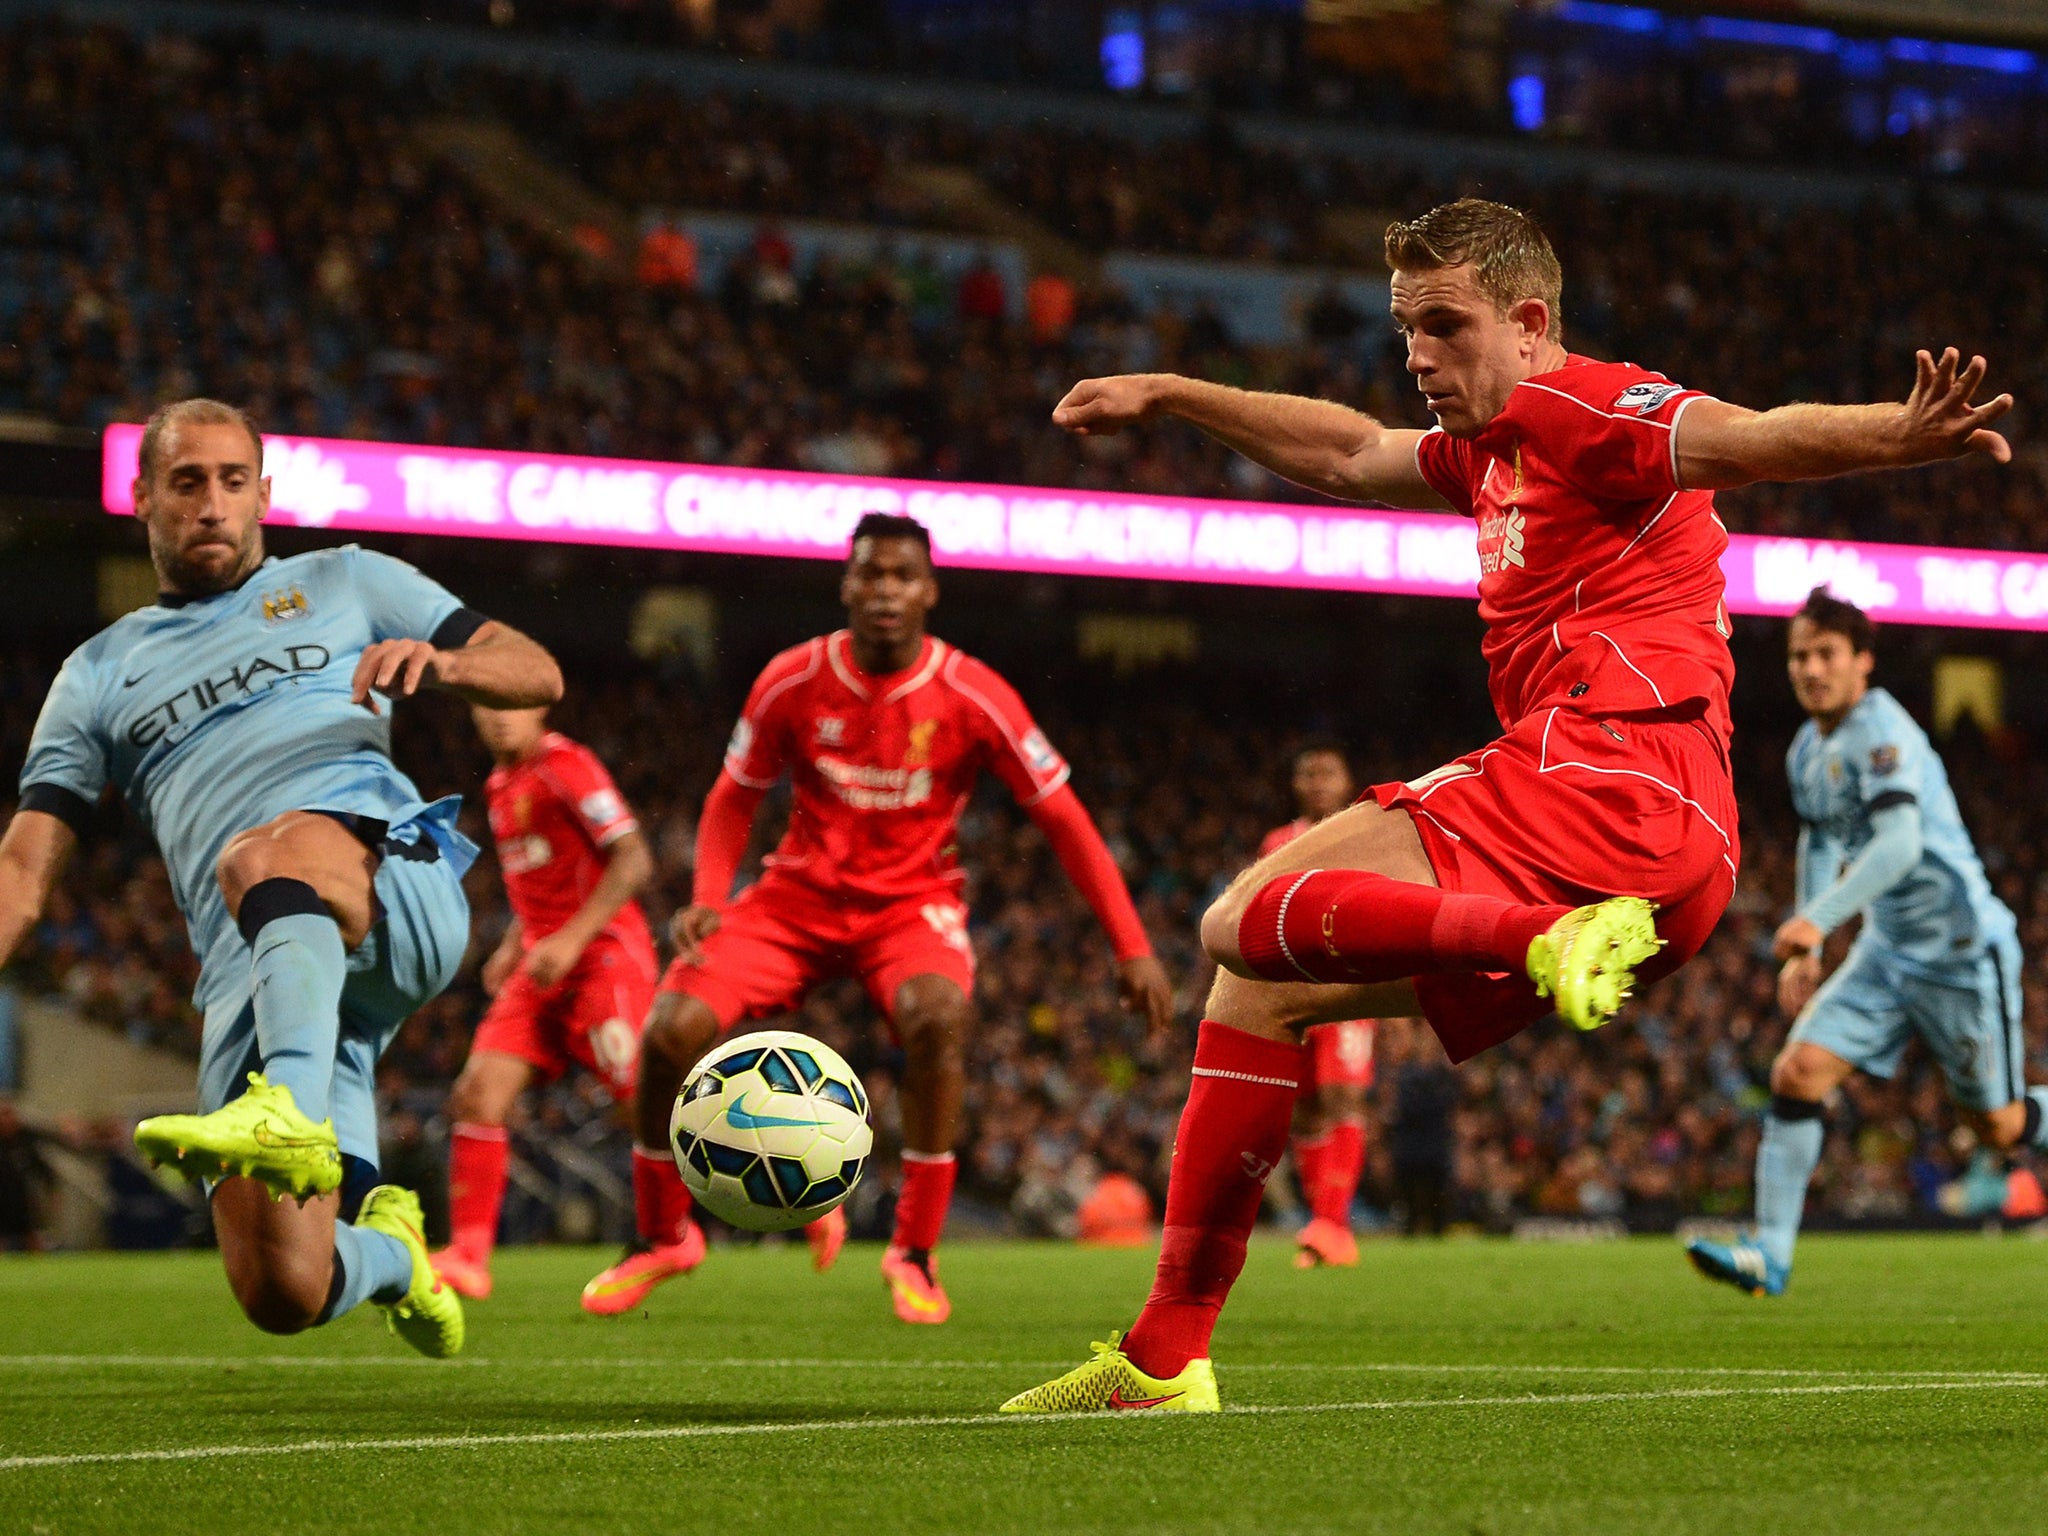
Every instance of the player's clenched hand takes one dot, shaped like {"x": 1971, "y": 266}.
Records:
{"x": 395, "y": 668}
{"x": 689, "y": 929}
{"x": 498, "y": 969}
{"x": 1796, "y": 936}
{"x": 1146, "y": 991}
{"x": 1938, "y": 421}
{"x": 551, "y": 958}
{"x": 1798, "y": 979}
{"x": 1104, "y": 407}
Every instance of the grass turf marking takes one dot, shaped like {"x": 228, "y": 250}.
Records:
{"x": 988, "y": 1420}
{"x": 811, "y": 1362}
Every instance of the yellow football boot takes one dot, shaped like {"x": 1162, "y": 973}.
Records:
{"x": 261, "y": 1135}
{"x": 1586, "y": 960}
{"x": 1109, "y": 1383}
{"x": 429, "y": 1315}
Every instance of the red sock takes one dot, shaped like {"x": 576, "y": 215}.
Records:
{"x": 1343, "y": 1161}
{"x": 661, "y": 1201}
{"x": 927, "y": 1192}
{"x": 1311, "y": 1158}
{"x": 477, "y": 1155}
{"x": 1350, "y": 925}
{"x": 1231, "y": 1134}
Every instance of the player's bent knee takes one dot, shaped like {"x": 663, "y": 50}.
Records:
{"x": 679, "y": 1030}
{"x": 1807, "y": 1072}
{"x": 1219, "y": 931}
{"x": 284, "y": 1294}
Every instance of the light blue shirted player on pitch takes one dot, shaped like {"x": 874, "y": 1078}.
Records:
{"x": 237, "y": 718}
{"x": 1938, "y": 956}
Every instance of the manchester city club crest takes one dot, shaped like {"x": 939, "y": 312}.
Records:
{"x": 1883, "y": 759}
{"x": 282, "y": 607}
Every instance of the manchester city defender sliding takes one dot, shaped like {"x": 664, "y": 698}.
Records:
{"x": 245, "y": 718}
{"x": 1938, "y": 956}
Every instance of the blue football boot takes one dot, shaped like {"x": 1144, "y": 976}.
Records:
{"x": 1742, "y": 1265}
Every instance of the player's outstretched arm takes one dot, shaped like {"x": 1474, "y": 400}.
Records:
{"x": 1720, "y": 446}
{"x": 1317, "y": 443}
{"x": 498, "y": 668}
{"x": 32, "y": 854}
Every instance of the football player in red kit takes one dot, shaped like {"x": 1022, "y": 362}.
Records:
{"x": 883, "y": 731}
{"x": 1329, "y": 1113}
{"x": 1594, "y": 843}
{"x": 572, "y": 978}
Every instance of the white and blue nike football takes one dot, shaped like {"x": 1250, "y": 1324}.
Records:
{"x": 771, "y": 1130}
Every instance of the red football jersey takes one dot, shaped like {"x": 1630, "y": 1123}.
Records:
{"x": 1600, "y": 578}
{"x": 882, "y": 766}
{"x": 552, "y": 817}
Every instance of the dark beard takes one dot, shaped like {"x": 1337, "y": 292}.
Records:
{"x": 190, "y": 579}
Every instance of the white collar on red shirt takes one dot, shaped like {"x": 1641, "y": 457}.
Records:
{"x": 839, "y": 651}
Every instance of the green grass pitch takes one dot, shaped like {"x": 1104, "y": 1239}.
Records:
{"x": 1461, "y": 1388}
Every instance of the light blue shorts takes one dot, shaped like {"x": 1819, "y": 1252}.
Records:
{"x": 410, "y": 955}
{"x": 1970, "y": 1018}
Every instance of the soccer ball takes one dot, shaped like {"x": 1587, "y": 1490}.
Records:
{"x": 771, "y": 1130}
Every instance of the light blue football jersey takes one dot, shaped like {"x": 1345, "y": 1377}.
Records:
{"x": 216, "y": 714}
{"x": 1943, "y": 911}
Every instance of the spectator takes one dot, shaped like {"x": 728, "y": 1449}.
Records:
{"x": 1419, "y": 1135}
{"x": 1050, "y": 304}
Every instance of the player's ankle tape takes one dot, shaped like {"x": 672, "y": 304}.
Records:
{"x": 1785, "y": 1107}
{"x": 1262, "y": 939}
{"x": 268, "y": 900}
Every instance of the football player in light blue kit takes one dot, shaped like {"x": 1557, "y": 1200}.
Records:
{"x": 1938, "y": 956}
{"x": 245, "y": 718}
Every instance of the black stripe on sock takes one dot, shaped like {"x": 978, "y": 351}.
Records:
{"x": 334, "y": 1290}
{"x": 268, "y": 900}
{"x": 1785, "y": 1107}
{"x": 2033, "y": 1125}
{"x": 358, "y": 1177}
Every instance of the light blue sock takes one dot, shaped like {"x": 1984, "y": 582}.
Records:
{"x": 297, "y": 970}
{"x": 1785, "y": 1160}
{"x": 2037, "y": 1099}
{"x": 373, "y": 1265}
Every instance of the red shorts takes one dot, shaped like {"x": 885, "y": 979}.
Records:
{"x": 1568, "y": 808}
{"x": 1339, "y": 1056}
{"x": 593, "y": 1016}
{"x": 782, "y": 938}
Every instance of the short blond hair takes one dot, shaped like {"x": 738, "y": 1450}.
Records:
{"x": 1510, "y": 255}
{"x": 197, "y": 412}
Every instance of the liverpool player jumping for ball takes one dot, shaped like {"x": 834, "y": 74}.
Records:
{"x": 883, "y": 730}
{"x": 572, "y": 978}
{"x": 1594, "y": 843}
{"x": 1329, "y": 1114}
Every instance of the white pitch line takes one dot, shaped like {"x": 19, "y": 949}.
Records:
{"x": 972, "y": 1421}
{"x": 753, "y": 1362}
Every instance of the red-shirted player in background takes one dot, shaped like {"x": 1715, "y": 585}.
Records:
{"x": 1329, "y": 1113}
{"x": 1524, "y": 876}
{"x": 572, "y": 978}
{"x": 883, "y": 731}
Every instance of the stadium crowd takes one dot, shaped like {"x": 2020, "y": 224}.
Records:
{"x": 1752, "y": 92}
{"x": 1648, "y": 1122}
{"x": 179, "y": 214}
